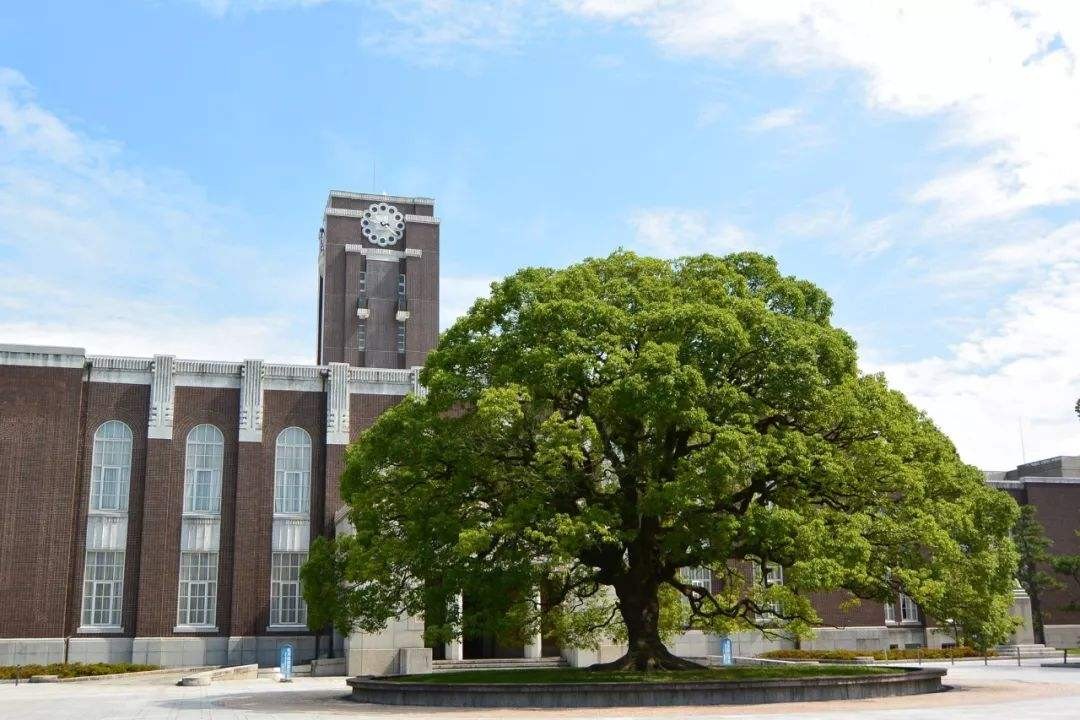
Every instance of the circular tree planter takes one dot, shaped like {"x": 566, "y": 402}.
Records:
{"x": 387, "y": 691}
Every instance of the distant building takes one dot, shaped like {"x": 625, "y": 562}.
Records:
{"x": 1052, "y": 486}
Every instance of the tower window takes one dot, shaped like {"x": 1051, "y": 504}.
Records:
{"x": 401, "y": 337}
{"x": 401, "y": 289}
{"x": 361, "y": 336}
{"x": 363, "y": 282}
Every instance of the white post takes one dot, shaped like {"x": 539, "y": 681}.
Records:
{"x": 454, "y": 649}
{"x": 534, "y": 648}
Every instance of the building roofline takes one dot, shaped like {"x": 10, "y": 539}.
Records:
{"x": 346, "y": 195}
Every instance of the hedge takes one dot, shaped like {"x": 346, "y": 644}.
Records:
{"x": 66, "y": 670}
{"x": 896, "y": 654}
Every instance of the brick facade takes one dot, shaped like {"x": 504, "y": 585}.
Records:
{"x": 52, "y": 401}
{"x": 41, "y": 413}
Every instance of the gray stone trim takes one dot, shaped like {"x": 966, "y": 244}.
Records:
{"x": 251, "y": 401}
{"x": 337, "y": 405}
{"x": 912, "y": 681}
{"x": 1029, "y": 480}
{"x": 164, "y": 373}
{"x": 425, "y": 219}
{"x": 162, "y": 396}
{"x": 120, "y": 369}
{"x": 382, "y": 253}
{"x": 374, "y": 197}
{"x": 42, "y": 356}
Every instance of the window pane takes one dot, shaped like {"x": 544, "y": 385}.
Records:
{"x": 197, "y": 598}
{"x": 103, "y": 588}
{"x": 110, "y": 467}
{"x": 292, "y": 471}
{"x": 287, "y": 606}
{"x": 202, "y": 469}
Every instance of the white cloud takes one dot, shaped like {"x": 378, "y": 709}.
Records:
{"x": 225, "y": 7}
{"x": 775, "y": 119}
{"x": 97, "y": 252}
{"x": 434, "y": 32}
{"x": 673, "y": 232}
{"x": 1024, "y": 370}
{"x": 1003, "y": 73}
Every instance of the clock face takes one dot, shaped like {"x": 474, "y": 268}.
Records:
{"x": 382, "y": 224}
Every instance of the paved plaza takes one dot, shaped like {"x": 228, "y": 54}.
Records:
{"x": 1002, "y": 690}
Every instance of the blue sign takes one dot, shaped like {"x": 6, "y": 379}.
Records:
{"x": 285, "y": 657}
{"x": 725, "y": 652}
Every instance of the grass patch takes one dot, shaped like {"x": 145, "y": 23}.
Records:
{"x": 66, "y": 670}
{"x": 584, "y": 675}
{"x": 897, "y": 654}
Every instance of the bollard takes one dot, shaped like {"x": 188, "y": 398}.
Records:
{"x": 985, "y": 660}
{"x": 1017, "y": 656}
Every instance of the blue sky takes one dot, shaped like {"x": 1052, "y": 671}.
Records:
{"x": 163, "y": 166}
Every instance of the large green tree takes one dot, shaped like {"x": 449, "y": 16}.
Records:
{"x": 595, "y": 430}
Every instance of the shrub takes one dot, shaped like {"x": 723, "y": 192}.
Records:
{"x": 66, "y": 670}
{"x": 895, "y": 654}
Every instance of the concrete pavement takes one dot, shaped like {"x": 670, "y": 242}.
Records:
{"x": 1002, "y": 689}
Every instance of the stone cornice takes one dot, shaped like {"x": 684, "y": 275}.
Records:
{"x": 374, "y": 197}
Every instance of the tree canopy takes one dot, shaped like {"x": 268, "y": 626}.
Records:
{"x": 595, "y": 431}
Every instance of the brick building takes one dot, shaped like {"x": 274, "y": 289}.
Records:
{"x": 1052, "y": 487}
{"x": 157, "y": 510}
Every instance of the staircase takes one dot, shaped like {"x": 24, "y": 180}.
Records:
{"x": 1027, "y": 651}
{"x": 497, "y": 664}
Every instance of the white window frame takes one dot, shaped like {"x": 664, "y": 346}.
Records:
{"x": 909, "y": 611}
{"x": 697, "y": 576}
{"x": 401, "y": 286}
{"x": 292, "y": 472}
{"x": 361, "y": 335}
{"x": 287, "y": 606}
{"x": 103, "y": 589}
{"x": 890, "y": 613}
{"x": 111, "y": 457}
{"x": 203, "y": 461}
{"x": 401, "y": 336}
{"x": 197, "y": 591}
{"x": 363, "y": 283}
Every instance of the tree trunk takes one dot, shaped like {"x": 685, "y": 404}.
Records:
{"x": 1037, "y": 629}
{"x": 640, "y": 610}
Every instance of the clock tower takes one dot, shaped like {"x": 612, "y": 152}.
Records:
{"x": 378, "y": 280}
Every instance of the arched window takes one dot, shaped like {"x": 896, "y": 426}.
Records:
{"x": 106, "y": 526}
{"x": 110, "y": 474}
{"x": 200, "y": 530}
{"x": 292, "y": 526}
{"x": 202, "y": 470}
{"x": 292, "y": 471}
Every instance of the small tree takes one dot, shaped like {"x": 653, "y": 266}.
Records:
{"x": 1033, "y": 547}
{"x": 325, "y": 587}
{"x": 1069, "y": 566}
{"x": 593, "y": 431}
